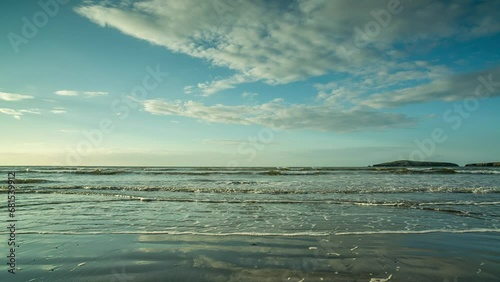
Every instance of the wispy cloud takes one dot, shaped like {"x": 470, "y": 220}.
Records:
{"x": 66, "y": 93}
{"x": 453, "y": 88}
{"x": 13, "y": 97}
{"x": 58, "y": 110}
{"x": 249, "y": 94}
{"x": 209, "y": 88}
{"x": 95, "y": 93}
{"x": 275, "y": 114}
{"x": 18, "y": 113}
{"x": 87, "y": 94}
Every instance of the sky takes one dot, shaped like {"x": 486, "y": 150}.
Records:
{"x": 248, "y": 83}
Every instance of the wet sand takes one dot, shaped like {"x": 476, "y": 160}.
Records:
{"x": 169, "y": 257}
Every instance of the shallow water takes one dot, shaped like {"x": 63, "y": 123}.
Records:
{"x": 256, "y": 201}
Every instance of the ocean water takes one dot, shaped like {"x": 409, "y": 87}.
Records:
{"x": 217, "y": 201}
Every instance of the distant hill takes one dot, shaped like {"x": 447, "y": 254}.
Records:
{"x": 484, "y": 164}
{"x": 407, "y": 163}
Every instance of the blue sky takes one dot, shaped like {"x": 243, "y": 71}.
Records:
{"x": 248, "y": 83}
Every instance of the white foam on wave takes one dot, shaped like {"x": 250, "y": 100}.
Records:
{"x": 462, "y": 203}
{"x": 482, "y": 171}
{"x": 253, "y": 234}
{"x": 260, "y": 234}
{"x": 381, "y": 279}
{"x": 487, "y": 203}
{"x": 477, "y": 230}
{"x": 377, "y": 204}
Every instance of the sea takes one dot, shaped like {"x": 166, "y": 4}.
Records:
{"x": 254, "y": 201}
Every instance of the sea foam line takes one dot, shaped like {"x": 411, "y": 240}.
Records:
{"x": 477, "y": 230}
{"x": 256, "y": 234}
{"x": 260, "y": 234}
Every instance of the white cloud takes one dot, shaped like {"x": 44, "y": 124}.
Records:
{"x": 66, "y": 93}
{"x": 188, "y": 89}
{"x": 14, "y": 113}
{"x": 58, "y": 110}
{"x": 453, "y": 88}
{"x": 275, "y": 114}
{"x": 18, "y": 113}
{"x": 31, "y": 111}
{"x": 209, "y": 88}
{"x": 385, "y": 79}
{"x": 95, "y": 93}
{"x": 249, "y": 95}
{"x": 280, "y": 42}
{"x": 12, "y": 97}
{"x": 87, "y": 94}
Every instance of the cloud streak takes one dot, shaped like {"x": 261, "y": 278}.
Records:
{"x": 58, "y": 110}
{"x": 209, "y": 88}
{"x": 18, "y": 113}
{"x": 86, "y": 94}
{"x": 275, "y": 114}
{"x": 453, "y": 88}
{"x": 13, "y": 97}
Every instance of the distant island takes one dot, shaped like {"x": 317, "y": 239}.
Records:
{"x": 484, "y": 164}
{"x": 407, "y": 163}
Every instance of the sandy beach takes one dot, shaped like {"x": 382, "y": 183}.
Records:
{"x": 170, "y": 257}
